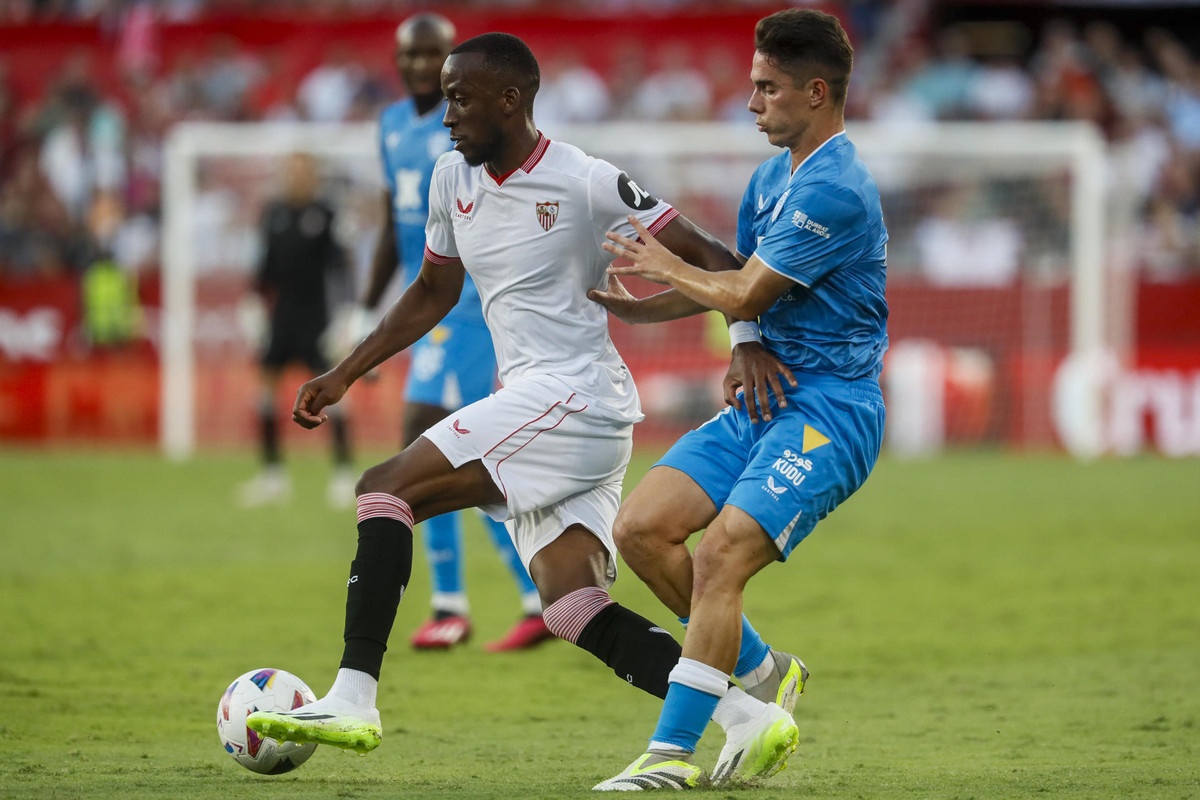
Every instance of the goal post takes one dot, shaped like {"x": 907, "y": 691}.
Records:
{"x": 187, "y": 146}
{"x": 998, "y": 266}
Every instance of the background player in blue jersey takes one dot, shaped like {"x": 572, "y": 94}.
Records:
{"x": 455, "y": 364}
{"x": 813, "y": 241}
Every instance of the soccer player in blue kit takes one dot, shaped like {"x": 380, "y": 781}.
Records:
{"x": 455, "y": 364}
{"x": 812, "y": 237}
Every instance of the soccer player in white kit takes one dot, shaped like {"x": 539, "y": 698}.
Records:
{"x": 527, "y": 218}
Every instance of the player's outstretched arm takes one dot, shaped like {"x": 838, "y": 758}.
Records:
{"x": 742, "y": 294}
{"x": 426, "y": 301}
{"x": 691, "y": 243}
{"x": 634, "y": 310}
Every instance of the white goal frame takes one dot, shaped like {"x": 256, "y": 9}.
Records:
{"x": 1078, "y": 147}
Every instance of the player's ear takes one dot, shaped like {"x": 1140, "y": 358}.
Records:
{"x": 511, "y": 100}
{"x": 818, "y": 92}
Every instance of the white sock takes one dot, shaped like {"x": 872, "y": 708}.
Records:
{"x": 670, "y": 750}
{"x": 531, "y": 603}
{"x": 760, "y": 673}
{"x": 452, "y": 602}
{"x": 735, "y": 708}
{"x": 355, "y": 687}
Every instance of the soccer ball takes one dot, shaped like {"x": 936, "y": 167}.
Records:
{"x": 262, "y": 690}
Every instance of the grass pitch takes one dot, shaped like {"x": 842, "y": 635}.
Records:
{"x": 978, "y": 626}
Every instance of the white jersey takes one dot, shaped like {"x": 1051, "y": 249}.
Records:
{"x": 531, "y": 240}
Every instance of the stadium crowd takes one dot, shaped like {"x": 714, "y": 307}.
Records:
{"x": 81, "y": 164}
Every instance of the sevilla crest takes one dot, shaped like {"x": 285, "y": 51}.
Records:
{"x": 547, "y": 213}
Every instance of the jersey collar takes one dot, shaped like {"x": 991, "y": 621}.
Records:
{"x": 539, "y": 150}
{"x": 808, "y": 157}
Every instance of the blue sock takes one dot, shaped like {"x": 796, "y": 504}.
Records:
{"x": 443, "y": 547}
{"x": 685, "y": 715}
{"x": 508, "y": 554}
{"x": 752, "y": 651}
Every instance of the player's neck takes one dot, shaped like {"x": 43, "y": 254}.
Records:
{"x": 814, "y": 137}
{"x": 519, "y": 146}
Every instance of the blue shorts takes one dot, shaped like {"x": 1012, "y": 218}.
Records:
{"x": 452, "y": 366}
{"x": 789, "y": 473}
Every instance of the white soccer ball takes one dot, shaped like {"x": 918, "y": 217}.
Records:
{"x": 262, "y": 690}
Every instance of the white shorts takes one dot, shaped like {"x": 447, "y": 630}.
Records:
{"x": 557, "y": 458}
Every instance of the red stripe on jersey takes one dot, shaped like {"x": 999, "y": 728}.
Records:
{"x": 662, "y": 221}
{"x": 434, "y": 258}
{"x": 539, "y": 150}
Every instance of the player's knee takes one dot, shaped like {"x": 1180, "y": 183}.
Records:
{"x": 375, "y": 479}
{"x": 641, "y": 532}
{"x": 628, "y": 535}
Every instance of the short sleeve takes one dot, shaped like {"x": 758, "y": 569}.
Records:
{"x": 819, "y": 228}
{"x": 615, "y": 196}
{"x": 440, "y": 245}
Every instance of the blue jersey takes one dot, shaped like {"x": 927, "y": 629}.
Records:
{"x": 822, "y": 227}
{"x": 409, "y": 146}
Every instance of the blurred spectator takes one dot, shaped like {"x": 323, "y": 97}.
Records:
{"x": 83, "y": 148}
{"x": 1182, "y": 73}
{"x": 36, "y": 234}
{"x": 571, "y": 91}
{"x": 942, "y": 82}
{"x": 965, "y": 242}
{"x": 1002, "y": 89}
{"x": 676, "y": 90}
{"x": 275, "y": 98}
{"x": 327, "y": 93}
{"x": 85, "y": 132}
{"x": 628, "y": 68}
{"x": 112, "y": 314}
{"x": 1169, "y": 234}
{"x": 1135, "y": 89}
{"x": 1067, "y": 86}
{"x": 214, "y": 221}
{"x": 731, "y": 87}
{"x": 138, "y": 45}
{"x": 227, "y": 76}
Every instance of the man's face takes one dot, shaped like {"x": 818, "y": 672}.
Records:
{"x": 781, "y": 108}
{"x": 473, "y": 108}
{"x": 300, "y": 177}
{"x": 419, "y": 56}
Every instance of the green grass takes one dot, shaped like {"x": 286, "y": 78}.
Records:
{"x": 978, "y": 626}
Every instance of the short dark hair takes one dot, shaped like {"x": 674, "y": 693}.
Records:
{"x": 806, "y": 44}
{"x": 505, "y": 54}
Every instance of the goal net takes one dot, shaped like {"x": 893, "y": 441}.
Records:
{"x": 997, "y": 275}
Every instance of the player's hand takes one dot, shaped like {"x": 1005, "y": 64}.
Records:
{"x": 314, "y": 396}
{"x": 616, "y": 299}
{"x": 650, "y": 259}
{"x": 757, "y": 373}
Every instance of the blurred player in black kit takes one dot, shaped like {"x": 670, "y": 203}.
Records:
{"x": 301, "y": 270}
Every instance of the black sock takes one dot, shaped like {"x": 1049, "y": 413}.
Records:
{"x": 636, "y": 649}
{"x": 378, "y": 577}
{"x": 269, "y": 433}
{"x": 341, "y": 440}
